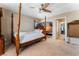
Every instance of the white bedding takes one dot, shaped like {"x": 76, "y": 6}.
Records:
{"x": 28, "y": 36}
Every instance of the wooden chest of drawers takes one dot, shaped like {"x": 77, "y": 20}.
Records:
{"x": 1, "y": 45}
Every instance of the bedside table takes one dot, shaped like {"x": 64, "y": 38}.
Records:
{"x": 2, "y": 45}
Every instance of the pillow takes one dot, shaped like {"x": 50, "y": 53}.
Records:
{"x": 38, "y": 30}
{"x": 41, "y": 31}
{"x": 21, "y": 33}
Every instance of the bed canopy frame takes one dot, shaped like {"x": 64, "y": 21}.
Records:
{"x": 17, "y": 39}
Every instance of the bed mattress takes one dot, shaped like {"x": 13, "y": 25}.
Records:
{"x": 29, "y": 36}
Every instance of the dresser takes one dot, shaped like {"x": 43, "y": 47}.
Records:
{"x": 2, "y": 45}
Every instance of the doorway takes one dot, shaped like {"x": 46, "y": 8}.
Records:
{"x": 60, "y": 24}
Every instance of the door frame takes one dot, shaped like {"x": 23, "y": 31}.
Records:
{"x": 65, "y": 18}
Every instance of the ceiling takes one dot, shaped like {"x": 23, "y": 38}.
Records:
{"x": 56, "y": 8}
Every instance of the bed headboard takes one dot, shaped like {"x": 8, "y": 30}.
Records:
{"x": 41, "y": 28}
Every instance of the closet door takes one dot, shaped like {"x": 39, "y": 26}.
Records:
{"x": 74, "y": 30}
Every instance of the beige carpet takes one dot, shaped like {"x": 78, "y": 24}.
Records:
{"x": 47, "y": 47}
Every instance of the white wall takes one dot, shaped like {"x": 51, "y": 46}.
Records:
{"x": 6, "y": 23}
{"x": 6, "y": 26}
{"x": 27, "y": 23}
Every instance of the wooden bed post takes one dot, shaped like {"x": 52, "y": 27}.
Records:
{"x": 0, "y": 19}
{"x": 45, "y": 28}
{"x": 12, "y": 28}
{"x": 0, "y": 25}
{"x": 18, "y": 29}
{"x": 34, "y": 23}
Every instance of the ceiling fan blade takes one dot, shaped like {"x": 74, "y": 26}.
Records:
{"x": 32, "y": 7}
{"x": 46, "y": 10}
{"x": 44, "y": 5}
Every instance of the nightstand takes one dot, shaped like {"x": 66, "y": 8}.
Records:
{"x": 2, "y": 45}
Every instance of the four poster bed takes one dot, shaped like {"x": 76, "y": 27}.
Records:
{"x": 23, "y": 39}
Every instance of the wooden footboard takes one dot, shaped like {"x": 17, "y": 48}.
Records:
{"x": 32, "y": 42}
{"x": 28, "y": 43}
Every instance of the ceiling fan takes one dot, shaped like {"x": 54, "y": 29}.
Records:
{"x": 43, "y": 7}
